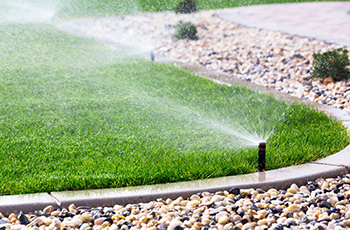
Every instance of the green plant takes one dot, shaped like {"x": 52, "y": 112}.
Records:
{"x": 185, "y": 30}
{"x": 186, "y": 7}
{"x": 331, "y": 64}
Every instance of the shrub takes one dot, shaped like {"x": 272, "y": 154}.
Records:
{"x": 185, "y": 30}
{"x": 186, "y": 7}
{"x": 331, "y": 64}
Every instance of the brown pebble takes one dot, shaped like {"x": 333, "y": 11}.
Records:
{"x": 99, "y": 221}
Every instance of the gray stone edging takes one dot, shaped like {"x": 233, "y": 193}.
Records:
{"x": 279, "y": 178}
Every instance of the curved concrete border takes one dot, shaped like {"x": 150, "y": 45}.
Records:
{"x": 332, "y": 166}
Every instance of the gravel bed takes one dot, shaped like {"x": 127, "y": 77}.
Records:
{"x": 272, "y": 59}
{"x": 320, "y": 204}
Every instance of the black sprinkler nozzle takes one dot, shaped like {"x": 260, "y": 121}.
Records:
{"x": 262, "y": 156}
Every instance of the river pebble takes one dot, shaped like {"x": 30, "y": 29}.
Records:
{"x": 327, "y": 206}
{"x": 272, "y": 59}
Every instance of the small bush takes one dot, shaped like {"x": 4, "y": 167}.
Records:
{"x": 185, "y": 30}
{"x": 186, "y": 7}
{"x": 331, "y": 64}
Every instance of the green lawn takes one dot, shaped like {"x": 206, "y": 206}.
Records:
{"x": 77, "y": 115}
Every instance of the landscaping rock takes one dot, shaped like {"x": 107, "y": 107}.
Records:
{"x": 275, "y": 60}
{"x": 23, "y": 219}
{"x": 293, "y": 208}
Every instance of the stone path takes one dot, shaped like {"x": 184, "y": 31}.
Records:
{"x": 328, "y": 21}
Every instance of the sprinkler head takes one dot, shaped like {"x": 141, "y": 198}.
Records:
{"x": 152, "y": 56}
{"x": 262, "y": 156}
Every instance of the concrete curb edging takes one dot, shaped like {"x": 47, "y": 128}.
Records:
{"x": 279, "y": 178}
{"x": 25, "y": 203}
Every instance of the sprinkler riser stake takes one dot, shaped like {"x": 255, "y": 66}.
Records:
{"x": 262, "y": 157}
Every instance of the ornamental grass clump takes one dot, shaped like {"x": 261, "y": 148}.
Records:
{"x": 331, "y": 64}
{"x": 185, "y": 30}
{"x": 186, "y": 7}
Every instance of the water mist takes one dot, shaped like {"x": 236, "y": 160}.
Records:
{"x": 27, "y": 12}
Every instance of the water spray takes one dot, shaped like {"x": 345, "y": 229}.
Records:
{"x": 262, "y": 156}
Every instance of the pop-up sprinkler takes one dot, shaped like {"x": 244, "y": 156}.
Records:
{"x": 262, "y": 156}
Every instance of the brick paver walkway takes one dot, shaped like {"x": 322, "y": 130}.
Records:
{"x": 328, "y": 21}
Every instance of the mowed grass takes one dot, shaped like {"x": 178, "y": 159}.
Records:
{"x": 76, "y": 114}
